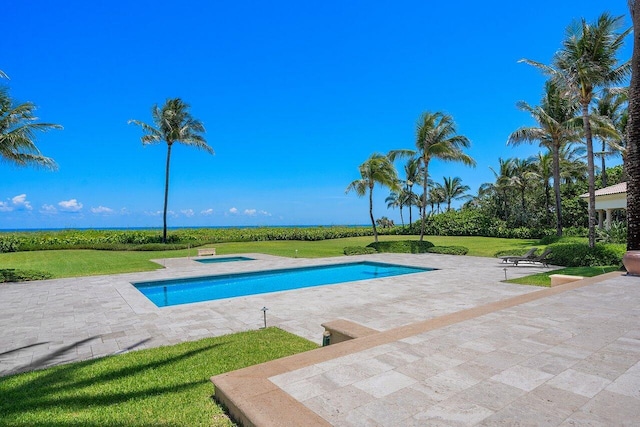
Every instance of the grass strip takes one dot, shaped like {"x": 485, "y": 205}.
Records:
{"x": 82, "y": 262}
{"x": 544, "y": 279}
{"x": 164, "y": 386}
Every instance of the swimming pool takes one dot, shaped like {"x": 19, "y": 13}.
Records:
{"x": 197, "y": 289}
{"x": 224, "y": 259}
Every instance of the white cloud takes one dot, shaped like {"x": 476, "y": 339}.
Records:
{"x": 265, "y": 213}
{"x": 70, "y": 205}
{"x": 233, "y": 210}
{"x": 20, "y": 202}
{"x": 4, "y": 207}
{"x": 250, "y": 212}
{"x": 207, "y": 212}
{"x": 48, "y": 209}
{"x": 102, "y": 210}
{"x": 187, "y": 212}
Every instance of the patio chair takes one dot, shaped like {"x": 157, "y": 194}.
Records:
{"x": 510, "y": 258}
{"x": 543, "y": 258}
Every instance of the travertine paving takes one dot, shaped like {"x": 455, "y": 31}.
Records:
{"x": 57, "y": 321}
{"x": 570, "y": 359}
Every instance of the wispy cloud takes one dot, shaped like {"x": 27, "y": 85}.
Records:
{"x": 16, "y": 203}
{"x": 70, "y": 205}
{"x": 250, "y": 212}
{"x": 187, "y": 212}
{"x": 207, "y": 212}
{"x": 48, "y": 210}
{"x": 101, "y": 210}
{"x": 233, "y": 211}
{"x": 20, "y": 202}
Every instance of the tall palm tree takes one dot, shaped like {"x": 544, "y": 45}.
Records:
{"x": 18, "y": 129}
{"x": 436, "y": 138}
{"x": 543, "y": 164}
{"x": 377, "y": 169}
{"x": 523, "y": 174}
{"x": 632, "y": 163}
{"x": 587, "y": 62}
{"x": 436, "y": 196}
{"x": 611, "y": 113}
{"x": 412, "y": 177}
{"x": 172, "y": 123}
{"x": 453, "y": 189}
{"x": 396, "y": 199}
{"x": 556, "y": 128}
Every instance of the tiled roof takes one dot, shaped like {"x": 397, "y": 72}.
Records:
{"x": 613, "y": 189}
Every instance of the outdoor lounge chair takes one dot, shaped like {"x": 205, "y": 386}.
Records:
{"x": 543, "y": 258}
{"x": 510, "y": 258}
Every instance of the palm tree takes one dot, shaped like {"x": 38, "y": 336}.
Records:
{"x": 377, "y": 169}
{"x": 586, "y": 62}
{"x": 501, "y": 186}
{"x": 543, "y": 164}
{"x": 436, "y": 196}
{"x": 523, "y": 173}
{"x": 452, "y": 189}
{"x": 396, "y": 199}
{"x": 436, "y": 138}
{"x": 18, "y": 129}
{"x": 173, "y": 123}
{"x": 611, "y": 115}
{"x": 412, "y": 177}
{"x": 556, "y": 128}
{"x": 632, "y": 163}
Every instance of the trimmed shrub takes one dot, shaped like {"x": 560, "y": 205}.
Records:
{"x": 9, "y": 243}
{"x": 448, "y": 250}
{"x": 13, "y": 275}
{"x": 402, "y": 246}
{"x": 359, "y": 250}
{"x": 579, "y": 254}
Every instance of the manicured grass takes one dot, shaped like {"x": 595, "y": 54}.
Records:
{"x": 73, "y": 263}
{"x": 166, "y": 386}
{"x": 543, "y": 279}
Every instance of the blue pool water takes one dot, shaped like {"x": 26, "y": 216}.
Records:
{"x": 183, "y": 291}
{"x": 225, "y": 259}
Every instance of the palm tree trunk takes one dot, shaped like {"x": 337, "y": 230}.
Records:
{"x": 632, "y": 160}
{"x": 401, "y": 218}
{"x": 556, "y": 189}
{"x": 604, "y": 165}
{"x": 166, "y": 195}
{"x": 424, "y": 200}
{"x": 591, "y": 175}
{"x": 410, "y": 197}
{"x": 373, "y": 222}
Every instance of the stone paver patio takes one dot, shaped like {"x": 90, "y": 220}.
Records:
{"x": 568, "y": 358}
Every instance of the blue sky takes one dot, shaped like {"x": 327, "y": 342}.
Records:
{"x": 294, "y": 96}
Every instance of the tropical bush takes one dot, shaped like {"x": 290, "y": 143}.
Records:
{"x": 177, "y": 239}
{"x": 472, "y": 222}
{"x": 616, "y": 233}
{"x": 448, "y": 250}
{"x": 402, "y": 246}
{"x": 359, "y": 250}
{"x": 579, "y": 254}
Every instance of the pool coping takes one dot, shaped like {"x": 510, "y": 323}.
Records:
{"x": 253, "y": 400}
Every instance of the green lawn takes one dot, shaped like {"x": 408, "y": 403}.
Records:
{"x": 543, "y": 279}
{"x": 73, "y": 263}
{"x": 166, "y": 386}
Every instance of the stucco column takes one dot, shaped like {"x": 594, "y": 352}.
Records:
{"x": 608, "y": 220}
{"x": 600, "y": 218}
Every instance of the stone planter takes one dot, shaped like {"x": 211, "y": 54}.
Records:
{"x": 631, "y": 261}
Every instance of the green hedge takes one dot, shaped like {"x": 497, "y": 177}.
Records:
{"x": 13, "y": 275}
{"x": 181, "y": 238}
{"x": 579, "y": 254}
{"x": 359, "y": 250}
{"x": 470, "y": 222}
{"x": 402, "y": 246}
{"x": 448, "y": 250}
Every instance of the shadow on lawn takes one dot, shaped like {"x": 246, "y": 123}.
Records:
{"x": 88, "y": 384}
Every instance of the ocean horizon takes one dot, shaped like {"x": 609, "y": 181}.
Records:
{"x": 24, "y": 230}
